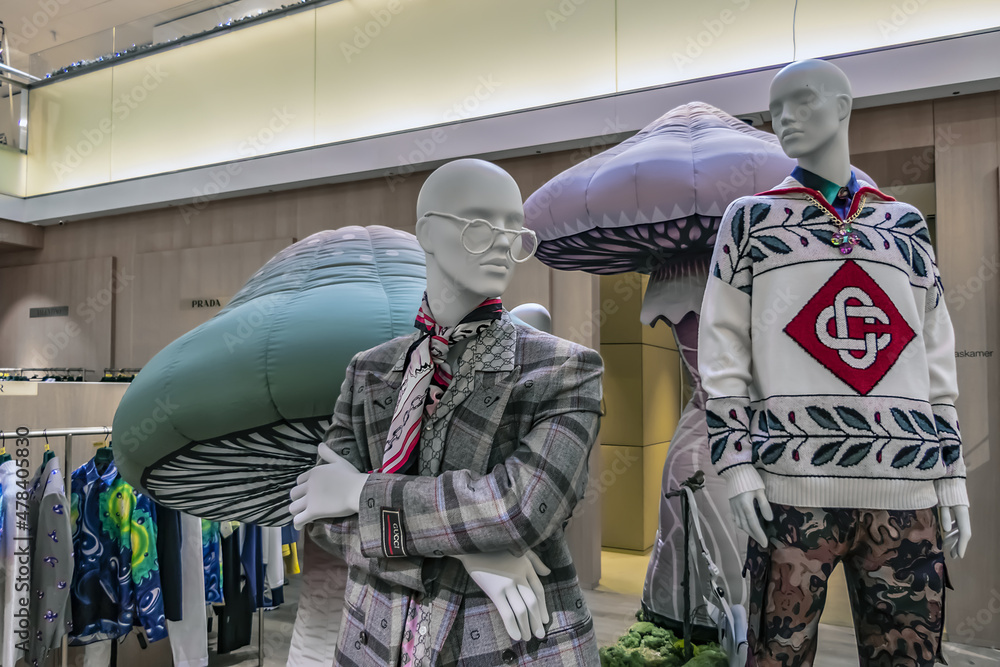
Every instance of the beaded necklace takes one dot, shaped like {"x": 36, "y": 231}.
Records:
{"x": 845, "y": 237}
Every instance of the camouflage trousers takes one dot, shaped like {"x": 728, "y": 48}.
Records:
{"x": 895, "y": 574}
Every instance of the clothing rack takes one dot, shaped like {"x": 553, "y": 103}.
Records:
{"x": 68, "y": 434}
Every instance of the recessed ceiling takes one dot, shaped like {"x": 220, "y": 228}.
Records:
{"x": 36, "y": 25}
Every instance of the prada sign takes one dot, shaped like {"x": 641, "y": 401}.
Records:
{"x": 204, "y": 302}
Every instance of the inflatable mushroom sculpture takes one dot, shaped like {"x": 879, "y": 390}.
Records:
{"x": 653, "y": 204}
{"x": 221, "y": 421}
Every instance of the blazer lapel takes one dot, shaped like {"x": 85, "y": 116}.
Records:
{"x": 475, "y": 423}
{"x": 381, "y": 394}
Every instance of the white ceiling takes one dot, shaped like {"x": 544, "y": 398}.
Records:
{"x": 36, "y": 25}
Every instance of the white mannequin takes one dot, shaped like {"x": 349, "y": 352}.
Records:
{"x": 810, "y": 111}
{"x": 457, "y": 282}
{"x": 534, "y": 315}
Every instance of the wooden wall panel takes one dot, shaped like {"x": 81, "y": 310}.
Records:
{"x": 892, "y": 127}
{"x": 168, "y": 281}
{"x": 968, "y": 206}
{"x": 83, "y": 338}
{"x": 576, "y": 299}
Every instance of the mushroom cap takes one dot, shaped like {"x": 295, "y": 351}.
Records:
{"x": 222, "y": 420}
{"x": 658, "y": 195}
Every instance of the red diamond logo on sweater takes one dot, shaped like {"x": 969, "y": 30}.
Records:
{"x": 852, "y": 328}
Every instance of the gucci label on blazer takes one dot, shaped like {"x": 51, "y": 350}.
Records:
{"x": 393, "y": 538}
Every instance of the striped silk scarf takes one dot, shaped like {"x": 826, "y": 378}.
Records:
{"x": 426, "y": 378}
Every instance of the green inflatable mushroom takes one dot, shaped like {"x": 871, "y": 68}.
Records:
{"x": 221, "y": 421}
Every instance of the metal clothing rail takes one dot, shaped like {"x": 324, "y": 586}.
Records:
{"x": 67, "y": 435}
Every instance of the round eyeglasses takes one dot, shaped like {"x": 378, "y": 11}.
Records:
{"x": 479, "y": 235}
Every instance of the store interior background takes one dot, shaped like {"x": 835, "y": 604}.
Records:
{"x": 139, "y": 272}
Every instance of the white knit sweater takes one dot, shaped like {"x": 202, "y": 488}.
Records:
{"x": 830, "y": 377}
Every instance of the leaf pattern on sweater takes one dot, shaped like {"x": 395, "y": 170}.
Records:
{"x": 843, "y": 436}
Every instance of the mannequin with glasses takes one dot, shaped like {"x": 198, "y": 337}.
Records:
{"x": 455, "y": 457}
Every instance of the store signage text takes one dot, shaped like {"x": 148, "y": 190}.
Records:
{"x": 204, "y": 302}
{"x": 50, "y": 311}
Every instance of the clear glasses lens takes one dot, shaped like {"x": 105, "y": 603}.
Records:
{"x": 479, "y": 236}
{"x": 523, "y": 246}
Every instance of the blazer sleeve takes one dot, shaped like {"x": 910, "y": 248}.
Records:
{"x": 515, "y": 506}
{"x": 346, "y": 436}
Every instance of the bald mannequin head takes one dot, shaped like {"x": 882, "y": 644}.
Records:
{"x": 810, "y": 104}
{"x": 466, "y": 186}
{"x": 457, "y": 280}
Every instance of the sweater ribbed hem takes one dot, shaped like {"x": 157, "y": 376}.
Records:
{"x": 742, "y": 478}
{"x": 951, "y": 492}
{"x": 850, "y": 492}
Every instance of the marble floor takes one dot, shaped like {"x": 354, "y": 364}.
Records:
{"x": 613, "y": 605}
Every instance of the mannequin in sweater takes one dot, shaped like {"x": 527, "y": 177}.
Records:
{"x": 828, "y": 359}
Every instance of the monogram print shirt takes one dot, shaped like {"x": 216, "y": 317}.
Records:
{"x": 827, "y": 354}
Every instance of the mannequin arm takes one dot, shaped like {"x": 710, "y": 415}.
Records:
{"x": 512, "y": 583}
{"x": 939, "y": 347}
{"x": 339, "y": 536}
{"x": 725, "y": 342}
{"x": 745, "y": 516}
{"x": 330, "y": 490}
{"x": 514, "y": 507}
{"x": 955, "y": 542}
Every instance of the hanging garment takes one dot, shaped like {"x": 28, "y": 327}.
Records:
{"x": 98, "y": 654}
{"x": 251, "y": 558}
{"x": 212, "y": 561}
{"x": 116, "y": 581}
{"x": 168, "y": 555}
{"x": 14, "y": 554}
{"x": 236, "y": 617}
{"x": 321, "y": 604}
{"x": 51, "y": 562}
{"x": 189, "y": 636}
{"x": 274, "y": 567}
{"x": 290, "y": 549}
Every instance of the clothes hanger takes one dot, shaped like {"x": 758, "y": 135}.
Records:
{"x": 4, "y": 456}
{"x": 49, "y": 454}
{"x": 105, "y": 455}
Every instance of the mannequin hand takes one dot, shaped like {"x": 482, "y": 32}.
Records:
{"x": 330, "y": 490}
{"x": 956, "y": 542}
{"x": 745, "y": 514}
{"x": 512, "y": 583}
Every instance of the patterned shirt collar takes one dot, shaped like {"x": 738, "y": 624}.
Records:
{"x": 109, "y": 476}
{"x": 827, "y": 188}
{"x": 493, "y": 350}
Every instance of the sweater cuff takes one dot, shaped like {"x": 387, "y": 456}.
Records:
{"x": 741, "y": 479}
{"x": 951, "y": 492}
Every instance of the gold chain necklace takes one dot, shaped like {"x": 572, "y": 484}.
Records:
{"x": 845, "y": 237}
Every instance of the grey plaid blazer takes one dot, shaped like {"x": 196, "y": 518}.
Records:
{"x": 514, "y": 466}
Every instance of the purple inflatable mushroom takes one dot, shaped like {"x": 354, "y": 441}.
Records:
{"x": 653, "y": 204}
